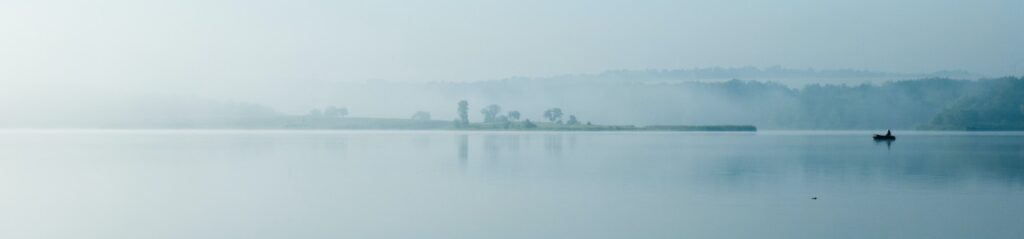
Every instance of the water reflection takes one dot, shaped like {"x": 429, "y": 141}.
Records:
{"x": 514, "y": 143}
{"x": 888, "y": 143}
{"x": 492, "y": 146}
{"x": 930, "y": 161}
{"x": 664, "y": 185}
{"x": 748, "y": 160}
{"x": 553, "y": 144}
{"x": 422, "y": 141}
{"x": 463, "y": 150}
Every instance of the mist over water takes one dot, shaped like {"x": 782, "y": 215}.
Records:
{"x": 330, "y": 184}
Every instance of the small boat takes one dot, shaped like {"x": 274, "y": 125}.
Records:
{"x": 883, "y": 137}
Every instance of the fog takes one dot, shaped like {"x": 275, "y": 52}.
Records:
{"x": 110, "y": 63}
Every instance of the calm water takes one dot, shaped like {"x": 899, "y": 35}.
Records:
{"x": 370, "y": 184}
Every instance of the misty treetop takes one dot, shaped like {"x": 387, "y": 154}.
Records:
{"x": 491, "y": 113}
{"x": 553, "y": 114}
{"x": 513, "y": 115}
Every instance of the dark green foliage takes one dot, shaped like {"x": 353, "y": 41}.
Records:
{"x": 900, "y": 104}
{"x": 990, "y": 105}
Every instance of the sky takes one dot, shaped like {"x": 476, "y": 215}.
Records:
{"x": 194, "y": 44}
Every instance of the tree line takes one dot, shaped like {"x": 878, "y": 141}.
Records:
{"x": 492, "y": 114}
{"x": 931, "y": 103}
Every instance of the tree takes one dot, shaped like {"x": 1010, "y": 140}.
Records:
{"x": 490, "y": 113}
{"x": 572, "y": 120}
{"x": 514, "y": 115}
{"x": 553, "y": 114}
{"x": 463, "y": 113}
{"x": 421, "y": 115}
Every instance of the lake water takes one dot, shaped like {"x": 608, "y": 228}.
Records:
{"x": 424, "y": 184}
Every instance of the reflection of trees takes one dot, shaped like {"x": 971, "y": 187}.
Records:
{"x": 492, "y": 146}
{"x": 463, "y": 148}
{"x": 553, "y": 144}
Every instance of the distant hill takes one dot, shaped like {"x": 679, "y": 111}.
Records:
{"x": 787, "y": 76}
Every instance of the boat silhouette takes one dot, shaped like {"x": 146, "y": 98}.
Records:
{"x": 883, "y": 137}
{"x": 887, "y": 136}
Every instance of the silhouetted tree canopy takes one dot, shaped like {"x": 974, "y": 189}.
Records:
{"x": 490, "y": 113}
{"x": 553, "y": 114}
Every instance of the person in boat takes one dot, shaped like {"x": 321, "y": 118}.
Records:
{"x": 888, "y": 136}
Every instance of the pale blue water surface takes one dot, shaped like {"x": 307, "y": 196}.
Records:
{"x": 442, "y": 184}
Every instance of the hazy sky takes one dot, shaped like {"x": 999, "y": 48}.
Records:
{"x": 182, "y": 44}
